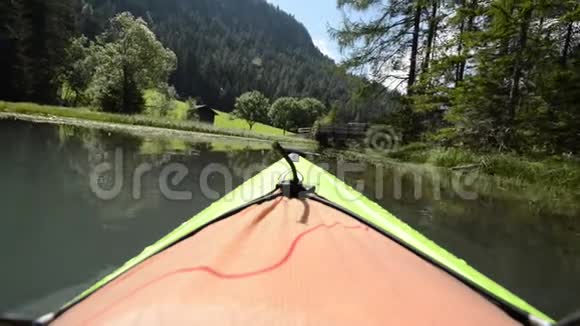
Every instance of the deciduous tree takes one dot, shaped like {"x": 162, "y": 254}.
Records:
{"x": 253, "y": 107}
{"x": 286, "y": 113}
{"x": 128, "y": 59}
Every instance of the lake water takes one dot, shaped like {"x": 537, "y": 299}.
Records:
{"x": 58, "y": 234}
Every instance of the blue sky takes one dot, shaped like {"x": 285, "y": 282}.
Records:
{"x": 316, "y": 15}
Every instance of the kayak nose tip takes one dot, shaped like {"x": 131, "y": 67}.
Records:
{"x": 294, "y": 157}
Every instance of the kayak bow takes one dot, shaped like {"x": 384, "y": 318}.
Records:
{"x": 327, "y": 255}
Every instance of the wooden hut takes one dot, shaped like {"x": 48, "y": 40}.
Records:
{"x": 205, "y": 114}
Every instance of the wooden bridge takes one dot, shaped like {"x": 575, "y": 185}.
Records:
{"x": 337, "y": 135}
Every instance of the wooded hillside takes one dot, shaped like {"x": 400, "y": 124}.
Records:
{"x": 224, "y": 48}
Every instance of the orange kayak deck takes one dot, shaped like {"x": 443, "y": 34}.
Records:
{"x": 286, "y": 262}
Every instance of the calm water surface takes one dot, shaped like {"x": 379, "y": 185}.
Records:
{"x": 57, "y": 236}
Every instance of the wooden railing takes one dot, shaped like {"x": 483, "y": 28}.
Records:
{"x": 337, "y": 134}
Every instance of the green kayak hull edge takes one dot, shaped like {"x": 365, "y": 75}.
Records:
{"x": 336, "y": 191}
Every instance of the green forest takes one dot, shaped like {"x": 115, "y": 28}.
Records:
{"x": 223, "y": 49}
{"x": 492, "y": 75}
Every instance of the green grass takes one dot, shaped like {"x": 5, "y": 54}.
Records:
{"x": 223, "y": 120}
{"x": 451, "y": 157}
{"x": 180, "y": 111}
{"x": 547, "y": 185}
{"x": 228, "y": 121}
{"x": 562, "y": 174}
{"x": 416, "y": 152}
{"x": 138, "y": 120}
{"x": 177, "y": 112}
{"x": 549, "y": 171}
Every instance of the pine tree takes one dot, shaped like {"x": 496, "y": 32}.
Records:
{"x": 35, "y": 35}
{"x": 15, "y": 32}
{"x": 382, "y": 44}
{"x": 495, "y": 82}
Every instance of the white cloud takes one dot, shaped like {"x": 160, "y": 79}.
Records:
{"x": 325, "y": 48}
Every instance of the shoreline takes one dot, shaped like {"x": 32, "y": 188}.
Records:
{"x": 538, "y": 194}
{"x": 517, "y": 185}
{"x": 137, "y": 125}
{"x": 137, "y": 130}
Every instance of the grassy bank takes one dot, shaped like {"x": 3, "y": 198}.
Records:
{"x": 552, "y": 171}
{"x": 137, "y": 120}
{"x": 178, "y": 110}
{"x": 555, "y": 177}
{"x": 228, "y": 121}
{"x": 549, "y": 185}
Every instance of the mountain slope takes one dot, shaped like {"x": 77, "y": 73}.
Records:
{"x": 227, "y": 47}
